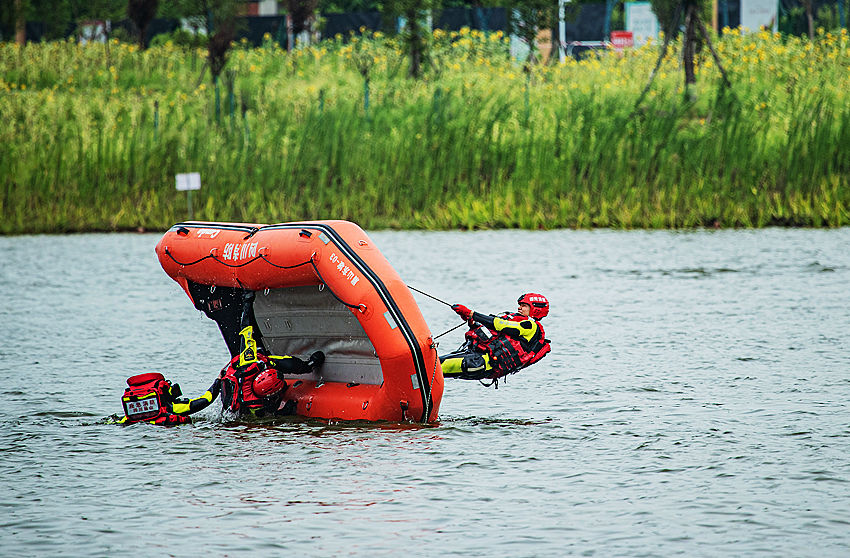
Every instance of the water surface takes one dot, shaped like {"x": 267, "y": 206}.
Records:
{"x": 695, "y": 403}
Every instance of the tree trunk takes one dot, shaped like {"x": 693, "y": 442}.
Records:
{"x": 689, "y": 47}
{"x": 290, "y": 34}
{"x": 107, "y": 33}
{"x": 714, "y": 54}
{"x": 20, "y": 23}
{"x": 811, "y": 19}
{"x": 415, "y": 37}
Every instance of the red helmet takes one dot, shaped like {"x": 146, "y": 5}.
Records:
{"x": 539, "y": 304}
{"x": 267, "y": 384}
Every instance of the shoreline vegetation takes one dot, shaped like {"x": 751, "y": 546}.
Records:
{"x": 92, "y": 137}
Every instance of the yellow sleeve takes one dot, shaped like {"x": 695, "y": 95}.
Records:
{"x": 185, "y": 407}
{"x": 189, "y": 406}
{"x": 525, "y": 329}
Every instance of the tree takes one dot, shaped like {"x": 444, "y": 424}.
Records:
{"x": 219, "y": 46}
{"x": 669, "y": 14}
{"x": 529, "y": 17}
{"x": 414, "y": 35}
{"x": 142, "y": 12}
{"x": 100, "y": 10}
{"x": 20, "y": 23}
{"x": 54, "y": 15}
{"x": 810, "y": 19}
{"x": 302, "y": 16}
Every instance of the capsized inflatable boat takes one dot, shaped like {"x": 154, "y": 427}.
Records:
{"x": 320, "y": 285}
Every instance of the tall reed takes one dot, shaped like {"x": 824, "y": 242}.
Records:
{"x": 92, "y": 142}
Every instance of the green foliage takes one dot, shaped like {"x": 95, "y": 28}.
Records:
{"x": 415, "y": 35}
{"x": 302, "y": 13}
{"x": 346, "y": 6}
{"x": 667, "y": 10}
{"x": 141, "y": 13}
{"x": 94, "y": 148}
{"x": 182, "y": 38}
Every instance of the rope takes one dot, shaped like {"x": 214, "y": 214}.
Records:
{"x": 316, "y": 269}
{"x": 271, "y": 263}
{"x": 243, "y": 264}
{"x": 429, "y": 296}
{"x": 265, "y": 259}
{"x": 429, "y": 403}
{"x": 450, "y": 330}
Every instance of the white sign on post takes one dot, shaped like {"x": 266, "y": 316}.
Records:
{"x": 189, "y": 181}
{"x": 756, "y": 14}
{"x": 641, "y": 21}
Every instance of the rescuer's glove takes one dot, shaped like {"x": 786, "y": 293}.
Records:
{"x": 462, "y": 311}
{"x": 316, "y": 360}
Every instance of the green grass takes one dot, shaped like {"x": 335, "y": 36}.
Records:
{"x": 92, "y": 141}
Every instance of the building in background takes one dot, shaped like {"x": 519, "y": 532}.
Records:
{"x": 262, "y": 8}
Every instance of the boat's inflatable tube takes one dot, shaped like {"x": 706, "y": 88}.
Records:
{"x": 311, "y": 286}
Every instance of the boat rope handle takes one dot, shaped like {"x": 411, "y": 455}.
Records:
{"x": 186, "y": 264}
{"x": 429, "y": 403}
{"x": 216, "y": 258}
{"x": 271, "y": 263}
{"x": 360, "y": 307}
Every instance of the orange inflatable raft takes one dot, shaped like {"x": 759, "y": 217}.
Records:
{"x": 320, "y": 285}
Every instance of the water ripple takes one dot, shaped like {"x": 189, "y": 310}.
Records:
{"x": 695, "y": 403}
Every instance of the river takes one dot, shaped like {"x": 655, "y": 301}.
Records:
{"x": 695, "y": 403}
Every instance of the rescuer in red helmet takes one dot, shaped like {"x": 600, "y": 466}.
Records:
{"x": 253, "y": 382}
{"x": 496, "y": 346}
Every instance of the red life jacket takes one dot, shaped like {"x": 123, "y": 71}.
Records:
{"x": 148, "y": 399}
{"x": 509, "y": 354}
{"x": 238, "y": 391}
